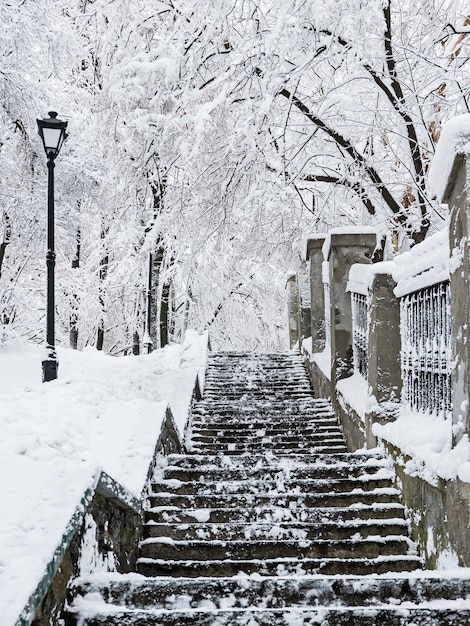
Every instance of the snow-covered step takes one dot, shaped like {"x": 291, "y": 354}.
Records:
{"x": 279, "y": 433}
{"x": 282, "y": 429}
{"x": 332, "y": 447}
{"x": 344, "y": 616}
{"x": 278, "y": 500}
{"x": 275, "y": 515}
{"x": 206, "y": 473}
{"x": 274, "y": 462}
{"x": 251, "y": 418}
{"x": 265, "y": 486}
{"x": 246, "y": 409}
{"x": 245, "y": 549}
{"x": 276, "y": 592}
{"x": 278, "y": 567}
{"x": 255, "y": 440}
{"x": 286, "y": 439}
{"x": 287, "y": 531}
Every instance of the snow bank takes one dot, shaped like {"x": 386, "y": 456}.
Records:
{"x": 356, "y": 393}
{"x": 427, "y": 441}
{"x": 103, "y": 413}
{"x": 455, "y": 139}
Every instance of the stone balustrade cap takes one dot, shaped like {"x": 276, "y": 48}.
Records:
{"x": 314, "y": 242}
{"x": 351, "y": 236}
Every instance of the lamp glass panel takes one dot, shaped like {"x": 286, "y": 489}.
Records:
{"x": 52, "y": 137}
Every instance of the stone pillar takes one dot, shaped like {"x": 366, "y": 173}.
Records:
{"x": 304, "y": 303}
{"x": 456, "y": 197}
{"x": 383, "y": 348}
{"x": 317, "y": 293}
{"x": 344, "y": 250}
{"x": 293, "y": 317}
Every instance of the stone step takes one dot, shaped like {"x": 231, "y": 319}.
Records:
{"x": 259, "y": 530}
{"x": 273, "y": 461}
{"x": 279, "y": 487}
{"x": 287, "y": 439}
{"x": 277, "y": 426}
{"x": 270, "y": 410}
{"x": 251, "y": 501}
{"x": 257, "y": 392}
{"x": 385, "y": 616}
{"x": 237, "y": 433}
{"x": 273, "y": 515}
{"x": 202, "y": 550}
{"x": 274, "y": 592}
{"x": 272, "y": 425}
{"x": 278, "y": 567}
{"x": 274, "y": 395}
{"x": 233, "y": 385}
{"x": 332, "y": 447}
{"x": 254, "y": 419}
{"x": 311, "y": 473}
{"x": 275, "y": 402}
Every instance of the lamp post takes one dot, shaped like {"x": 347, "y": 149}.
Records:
{"x": 53, "y": 133}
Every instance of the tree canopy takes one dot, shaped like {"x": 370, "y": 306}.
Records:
{"x": 208, "y": 139}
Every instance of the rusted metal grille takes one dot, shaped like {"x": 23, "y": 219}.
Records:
{"x": 425, "y": 349}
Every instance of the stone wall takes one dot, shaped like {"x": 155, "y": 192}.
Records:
{"x": 107, "y": 527}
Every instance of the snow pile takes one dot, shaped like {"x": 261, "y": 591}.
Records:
{"x": 356, "y": 393}
{"x": 426, "y": 441}
{"x": 424, "y": 265}
{"x": 103, "y": 413}
{"x": 361, "y": 276}
{"x": 455, "y": 139}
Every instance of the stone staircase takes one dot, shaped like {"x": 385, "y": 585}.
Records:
{"x": 269, "y": 520}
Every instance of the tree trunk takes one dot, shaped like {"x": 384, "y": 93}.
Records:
{"x": 165, "y": 315}
{"x": 103, "y": 273}
{"x": 73, "y": 332}
{"x": 6, "y": 236}
{"x": 136, "y": 343}
{"x": 157, "y": 264}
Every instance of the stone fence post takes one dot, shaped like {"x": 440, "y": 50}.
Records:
{"x": 293, "y": 317}
{"x": 314, "y": 257}
{"x": 456, "y": 196}
{"x": 342, "y": 249}
{"x": 304, "y": 303}
{"x": 383, "y": 350}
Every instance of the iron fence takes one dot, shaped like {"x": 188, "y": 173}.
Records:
{"x": 360, "y": 330}
{"x": 425, "y": 349}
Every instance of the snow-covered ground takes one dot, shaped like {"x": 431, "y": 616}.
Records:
{"x": 103, "y": 413}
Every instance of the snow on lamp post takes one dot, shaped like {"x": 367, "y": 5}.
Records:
{"x": 53, "y": 133}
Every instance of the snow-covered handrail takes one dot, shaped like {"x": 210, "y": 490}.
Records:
{"x": 106, "y": 486}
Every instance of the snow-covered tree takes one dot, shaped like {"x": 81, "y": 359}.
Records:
{"x": 211, "y": 137}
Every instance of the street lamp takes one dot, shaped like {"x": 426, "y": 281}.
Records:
{"x": 53, "y": 133}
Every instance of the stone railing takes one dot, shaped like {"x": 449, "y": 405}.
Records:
{"x": 106, "y": 525}
{"x": 396, "y": 353}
